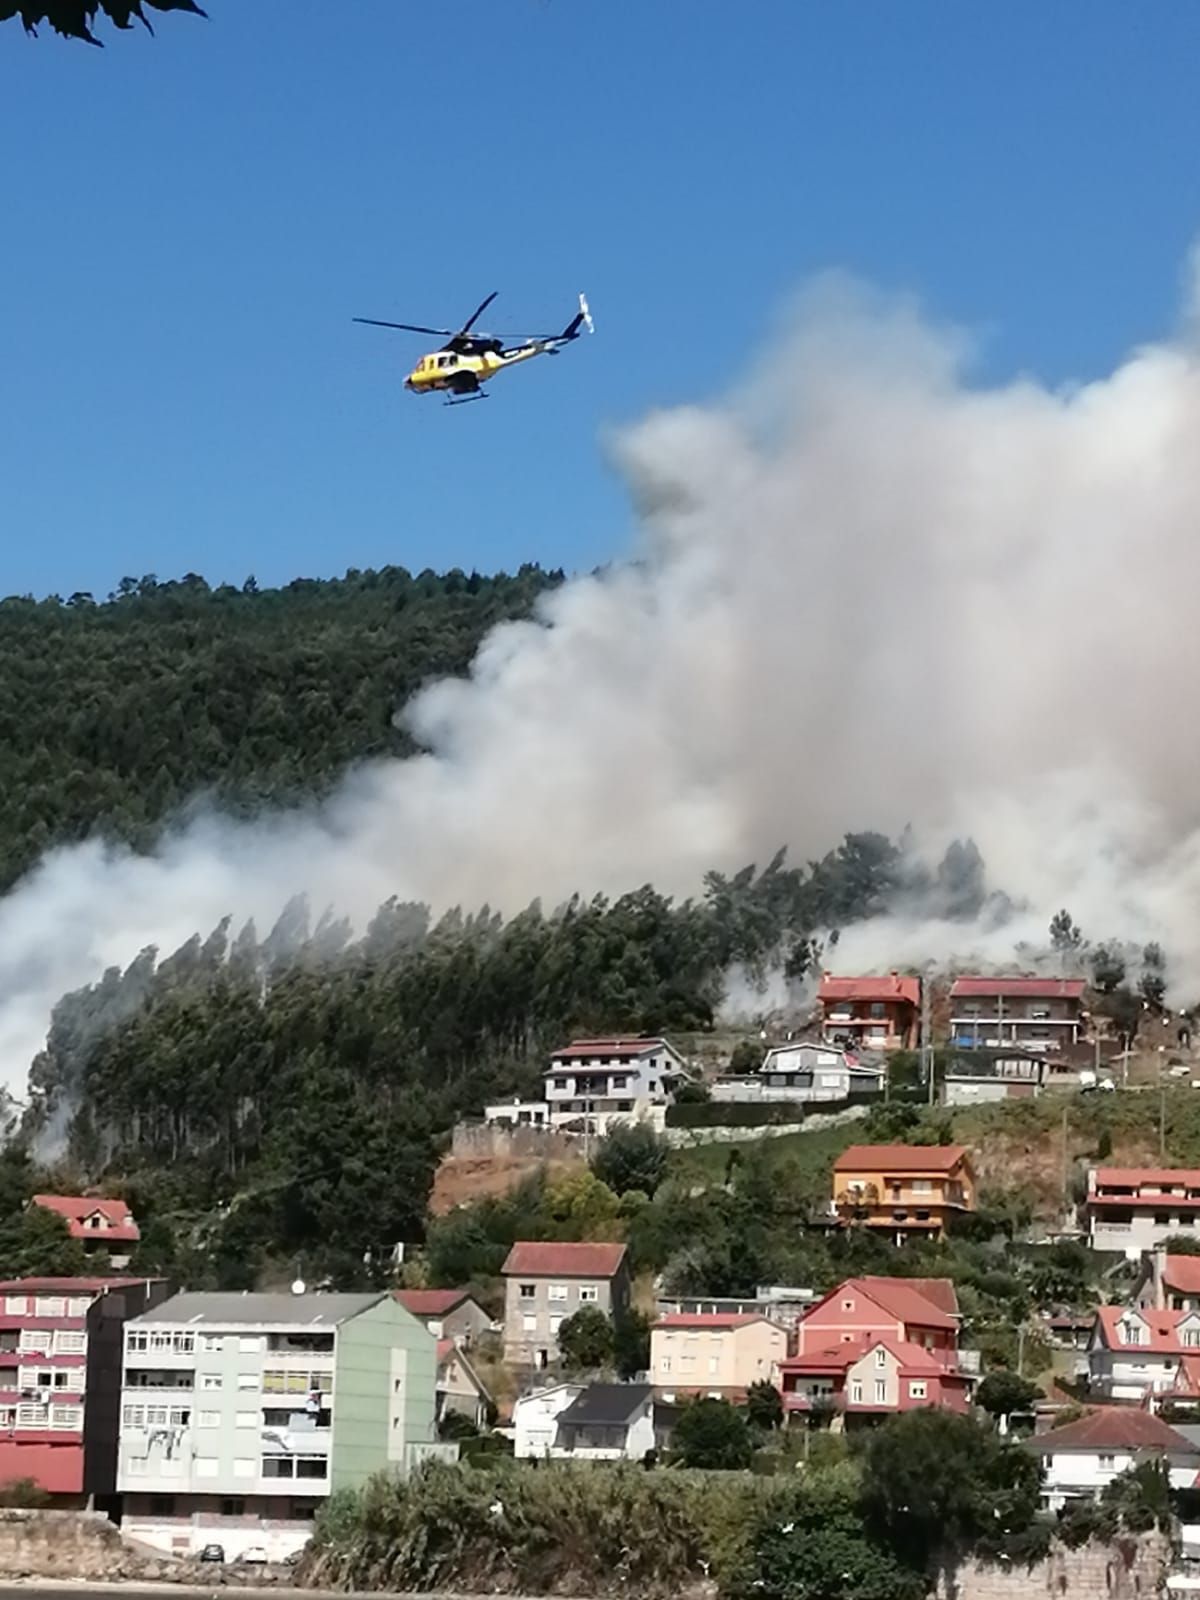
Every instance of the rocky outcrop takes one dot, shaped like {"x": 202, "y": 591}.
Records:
{"x": 1130, "y": 1568}
{"x": 86, "y": 1545}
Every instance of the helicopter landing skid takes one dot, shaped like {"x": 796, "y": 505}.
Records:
{"x": 465, "y": 399}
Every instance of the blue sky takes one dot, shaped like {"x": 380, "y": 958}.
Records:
{"x": 190, "y": 222}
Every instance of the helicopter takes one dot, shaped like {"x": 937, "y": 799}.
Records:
{"x": 469, "y": 358}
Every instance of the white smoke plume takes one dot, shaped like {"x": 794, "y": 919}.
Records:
{"x": 864, "y": 593}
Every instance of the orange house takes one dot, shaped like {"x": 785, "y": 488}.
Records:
{"x": 871, "y": 1013}
{"x": 903, "y": 1189}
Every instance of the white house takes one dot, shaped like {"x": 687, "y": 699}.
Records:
{"x": 1135, "y": 1209}
{"x": 593, "y": 1083}
{"x": 1080, "y": 1459}
{"x": 1136, "y": 1352}
{"x": 607, "y": 1422}
{"x": 801, "y": 1072}
{"x": 535, "y": 1419}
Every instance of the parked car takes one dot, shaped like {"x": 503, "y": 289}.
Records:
{"x": 1181, "y": 1070}
{"x": 255, "y": 1556}
{"x": 213, "y": 1552}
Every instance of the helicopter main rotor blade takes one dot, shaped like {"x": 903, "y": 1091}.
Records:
{"x": 478, "y": 312}
{"x": 406, "y": 327}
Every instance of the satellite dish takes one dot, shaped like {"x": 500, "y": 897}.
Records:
{"x": 298, "y": 1286}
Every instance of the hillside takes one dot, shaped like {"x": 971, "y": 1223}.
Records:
{"x": 113, "y": 714}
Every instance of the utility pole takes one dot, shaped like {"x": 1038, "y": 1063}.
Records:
{"x": 1065, "y": 1166}
{"x": 926, "y": 1033}
{"x": 1021, "y": 1350}
{"x": 1162, "y": 1117}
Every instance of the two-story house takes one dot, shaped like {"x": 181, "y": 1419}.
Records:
{"x": 876, "y": 1345}
{"x": 803, "y": 1072}
{"x": 871, "y": 1013}
{"x": 447, "y": 1313}
{"x": 105, "y": 1228}
{"x": 903, "y": 1190}
{"x": 1135, "y": 1209}
{"x": 1036, "y": 1013}
{"x": 1135, "y": 1354}
{"x": 1080, "y": 1459}
{"x": 593, "y": 1083}
{"x": 544, "y": 1283}
{"x": 241, "y": 1412}
{"x": 61, "y": 1346}
{"x": 714, "y": 1353}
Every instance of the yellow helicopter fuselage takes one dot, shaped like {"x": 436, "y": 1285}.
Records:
{"x": 445, "y": 369}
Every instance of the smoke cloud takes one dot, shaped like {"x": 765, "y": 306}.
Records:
{"x": 864, "y": 593}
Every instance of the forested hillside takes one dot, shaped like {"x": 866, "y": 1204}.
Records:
{"x": 114, "y": 714}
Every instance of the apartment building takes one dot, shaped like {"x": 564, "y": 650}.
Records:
{"x": 60, "y": 1382}
{"x": 593, "y": 1083}
{"x": 544, "y": 1283}
{"x": 1043, "y": 1014}
{"x": 240, "y": 1413}
{"x": 903, "y": 1190}
{"x": 1135, "y": 1209}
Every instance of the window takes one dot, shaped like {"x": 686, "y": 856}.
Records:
{"x": 14, "y": 1305}
{"x": 156, "y": 1416}
{"x": 665, "y": 1364}
{"x": 208, "y": 1419}
{"x": 588, "y": 1294}
{"x": 50, "y": 1306}
{"x": 180, "y": 1416}
{"x": 1191, "y": 1337}
{"x": 877, "y": 1009}
{"x": 212, "y": 1342}
{"x": 31, "y": 1417}
{"x": 133, "y": 1416}
{"x": 922, "y": 1186}
{"x": 137, "y": 1466}
{"x": 312, "y": 1467}
{"x": 880, "y": 1357}
{"x": 250, "y": 1345}
{"x": 880, "y": 1391}
{"x": 162, "y": 1505}
{"x": 210, "y": 1381}
{"x": 137, "y": 1339}
{"x": 847, "y": 1305}
{"x": 1107, "y": 1463}
{"x": 917, "y": 1391}
{"x": 247, "y": 1382}
{"x": 78, "y": 1306}
{"x": 67, "y": 1342}
{"x": 620, "y": 1083}
{"x": 856, "y": 1392}
{"x": 529, "y": 1324}
{"x": 243, "y": 1467}
{"x": 206, "y": 1466}
{"x": 247, "y": 1419}
{"x": 233, "y": 1508}
{"x": 558, "y": 1291}
{"x": 69, "y": 1418}
{"x": 278, "y": 1467}
{"x": 527, "y": 1291}
{"x": 36, "y": 1341}
{"x": 714, "y": 1366}
{"x": 556, "y": 1323}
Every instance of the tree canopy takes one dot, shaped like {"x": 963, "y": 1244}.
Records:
{"x": 75, "y": 19}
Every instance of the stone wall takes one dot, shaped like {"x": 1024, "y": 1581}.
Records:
{"x": 85, "y": 1545}
{"x": 1128, "y": 1569}
{"x": 494, "y": 1141}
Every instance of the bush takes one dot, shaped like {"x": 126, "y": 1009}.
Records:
{"x": 631, "y": 1158}
{"x": 718, "y": 1114}
{"x": 712, "y": 1434}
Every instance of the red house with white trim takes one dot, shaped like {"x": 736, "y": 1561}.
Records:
{"x": 105, "y": 1228}
{"x": 879, "y": 1345}
{"x": 871, "y": 1013}
{"x": 61, "y": 1353}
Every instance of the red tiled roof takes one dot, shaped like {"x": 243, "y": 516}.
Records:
{"x": 1162, "y": 1328}
{"x": 1183, "y": 1273}
{"x": 557, "y": 1260}
{"x": 1111, "y": 1428}
{"x": 70, "y": 1285}
{"x": 622, "y": 1047}
{"x": 709, "y": 1319}
{"x": 838, "y": 1357}
{"x": 1018, "y": 988}
{"x": 889, "y": 987}
{"x": 923, "y": 1301}
{"x": 1133, "y": 1177}
{"x": 898, "y": 1158}
{"x": 76, "y": 1209}
{"x": 431, "y": 1302}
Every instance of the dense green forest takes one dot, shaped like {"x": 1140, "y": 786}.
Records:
{"x": 115, "y": 714}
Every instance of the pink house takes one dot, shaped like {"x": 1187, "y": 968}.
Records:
{"x": 878, "y": 1345}
{"x": 105, "y": 1228}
